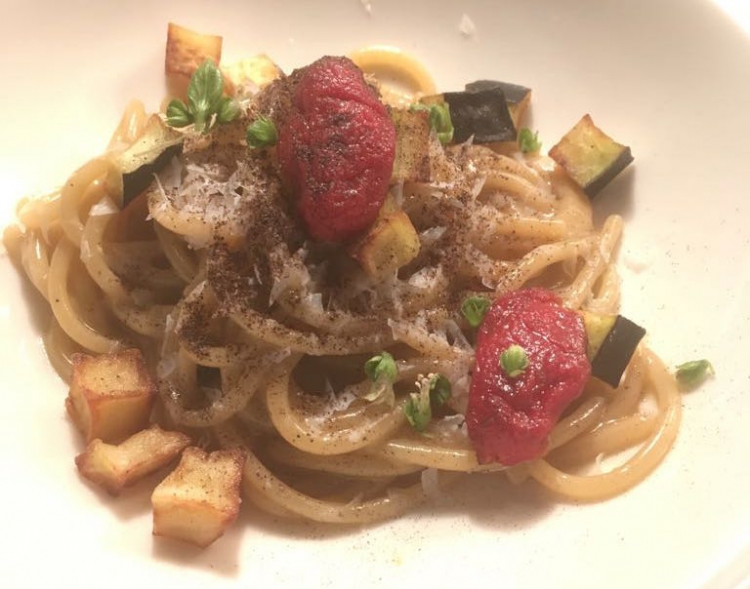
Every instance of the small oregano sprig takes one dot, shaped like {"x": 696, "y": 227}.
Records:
{"x": 434, "y": 389}
{"x": 206, "y": 103}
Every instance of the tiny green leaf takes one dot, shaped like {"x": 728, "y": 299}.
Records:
{"x": 435, "y": 389}
{"x": 205, "y": 90}
{"x": 382, "y": 371}
{"x": 440, "y": 389}
{"x": 417, "y": 410}
{"x": 440, "y": 119}
{"x": 381, "y": 366}
{"x": 474, "y": 309}
{"x": 262, "y": 133}
{"x": 528, "y": 141}
{"x": 514, "y": 360}
{"x": 228, "y": 110}
{"x": 691, "y": 374}
{"x": 177, "y": 114}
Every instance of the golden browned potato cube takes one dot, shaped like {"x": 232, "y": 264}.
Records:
{"x": 111, "y": 395}
{"x": 116, "y": 467}
{"x": 198, "y": 501}
{"x": 250, "y": 74}
{"x": 186, "y": 50}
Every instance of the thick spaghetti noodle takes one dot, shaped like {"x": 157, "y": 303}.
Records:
{"x": 258, "y": 336}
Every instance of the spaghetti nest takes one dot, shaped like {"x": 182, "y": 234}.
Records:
{"x": 258, "y": 336}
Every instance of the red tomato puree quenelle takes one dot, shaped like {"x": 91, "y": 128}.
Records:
{"x": 510, "y": 418}
{"x": 337, "y": 150}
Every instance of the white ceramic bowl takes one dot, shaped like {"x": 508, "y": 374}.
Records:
{"x": 669, "y": 78}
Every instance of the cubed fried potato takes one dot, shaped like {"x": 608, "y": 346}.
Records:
{"x": 251, "y": 73}
{"x": 111, "y": 395}
{"x": 186, "y": 50}
{"x": 115, "y": 467}
{"x": 198, "y": 501}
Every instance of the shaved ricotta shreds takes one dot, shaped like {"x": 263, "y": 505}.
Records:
{"x": 431, "y": 483}
{"x": 334, "y": 404}
{"x": 104, "y": 207}
{"x": 416, "y": 333}
{"x": 476, "y": 189}
{"x": 210, "y": 193}
{"x": 166, "y": 366}
{"x": 431, "y": 236}
{"x": 288, "y": 272}
{"x": 428, "y": 278}
{"x": 466, "y": 26}
{"x": 450, "y": 427}
{"x": 85, "y": 250}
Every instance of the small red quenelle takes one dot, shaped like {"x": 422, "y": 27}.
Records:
{"x": 336, "y": 150}
{"x": 509, "y": 418}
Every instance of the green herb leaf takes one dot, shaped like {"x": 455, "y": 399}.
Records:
{"x": 474, "y": 309}
{"x": 205, "y": 101}
{"x": 440, "y": 119}
{"x": 440, "y": 389}
{"x": 528, "y": 141}
{"x": 418, "y": 412}
{"x": 381, "y": 366}
{"x": 205, "y": 90}
{"x": 228, "y": 110}
{"x": 433, "y": 389}
{"x": 514, "y": 360}
{"x": 691, "y": 374}
{"x": 382, "y": 371}
{"x": 177, "y": 114}
{"x": 417, "y": 409}
{"x": 262, "y": 133}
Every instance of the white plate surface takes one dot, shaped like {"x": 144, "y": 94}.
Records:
{"x": 670, "y": 78}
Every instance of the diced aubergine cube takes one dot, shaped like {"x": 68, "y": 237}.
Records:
{"x": 133, "y": 169}
{"x": 612, "y": 340}
{"x": 483, "y": 114}
{"x": 590, "y": 157}
{"x": 517, "y": 97}
{"x": 412, "y": 162}
{"x": 392, "y": 242}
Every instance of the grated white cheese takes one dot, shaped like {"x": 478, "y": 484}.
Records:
{"x": 466, "y": 26}
{"x": 85, "y": 250}
{"x": 431, "y": 483}
{"x": 636, "y": 263}
{"x": 104, "y": 207}
{"x": 648, "y": 407}
{"x": 477, "y": 188}
{"x": 166, "y": 366}
{"x": 334, "y": 404}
